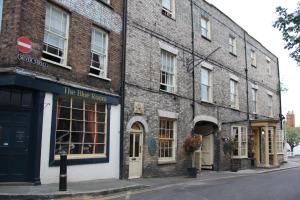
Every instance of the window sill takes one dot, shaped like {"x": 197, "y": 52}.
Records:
{"x": 239, "y": 157}
{"x": 166, "y": 162}
{"x": 57, "y": 64}
{"x": 253, "y": 66}
{"x": 234, "y": 108}
{"x": 233, "y": 54}
{"x": 206, "y": 38}
{"x": 163, "y": 91}
{"x": 207, "y": 102}
{"x": 106, "y": 4}
{"x": 102, "y": 78}
{"x": 168, "y": 14}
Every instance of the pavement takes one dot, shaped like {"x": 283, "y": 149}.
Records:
{"x": 111, "y": 186}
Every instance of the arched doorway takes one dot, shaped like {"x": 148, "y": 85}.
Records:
{"x": 136, "y": 151}
{"x": 207, "y": 129}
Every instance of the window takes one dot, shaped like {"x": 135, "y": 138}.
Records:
{"x": 233, "y": 94}
{"x": 269, "y": 69}
{"x": 168, "y": 8}
{"x": 81, "y": 128}
{"x": 232, "y": 45}
{"x": 1, "y": 10}
{"x": 240, "y": 136}
{"x": 279, "y": 140}
{"x": 270, "y": 135}
{"x": 56, "y": 35}
{"x": 106, "y": 1}
{"x": 205, "y": 27}
{"x": 167, "y": 72}
{"x": 99, "y": 53}
{"x": 205, "y": 85}
{"x": 167, "y": 136}
{"x": 254, "y": 100}
{"x": 270, "y": 105}
{"x": 253, "y": 58}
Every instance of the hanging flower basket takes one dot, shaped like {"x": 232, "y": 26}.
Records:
{"x": 192, "y": 143}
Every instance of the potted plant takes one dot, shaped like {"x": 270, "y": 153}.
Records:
{"x": 230, "y": 146}
{"x": 192, "y": 143}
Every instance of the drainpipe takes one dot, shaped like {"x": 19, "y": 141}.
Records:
{"x": 122, "y": 92}
{"x": 247, "y": 80}
{"x": 279, "y": 91}
{"x": 193, "y": 58}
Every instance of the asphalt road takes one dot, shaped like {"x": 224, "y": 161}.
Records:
{"x": 281, "y": 185}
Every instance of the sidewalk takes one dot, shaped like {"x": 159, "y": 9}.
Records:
{"x": 104, "y": 187}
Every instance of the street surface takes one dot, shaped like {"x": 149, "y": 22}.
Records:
{"x": 280, "y": 185}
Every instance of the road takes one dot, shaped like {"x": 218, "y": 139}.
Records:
{"x": 280, "y": 185}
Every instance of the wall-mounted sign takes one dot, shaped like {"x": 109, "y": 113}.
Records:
{"x": 152, "y": 146}
{"x": 24, "y": 45}
{"x": 84, "y": 94}
{"x": 139, "y": 108}
{"x": 31, "y": 60}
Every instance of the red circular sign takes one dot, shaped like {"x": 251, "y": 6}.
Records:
{"x": 24, "y": 45}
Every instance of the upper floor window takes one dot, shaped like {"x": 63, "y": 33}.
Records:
{"x": 233, "y": 94}
{"x": 232, "y": 45}
{"x": 253, "y": 58}
{"x": 205, "y": 27}
{"x": 240, "y": 136}
{"x": 270, "y": 105}
{"x": 1, "y": 10}
{"x": 167, "y": 72}
{"x": 269, "y": 69}
{"x": 167, "y": 138}
{"x": 106, "y": 1}
{"x": 56, "y": 35}
{"x": 99, "y": 53}
{"x": 168, "y": 8}
{"x": 254, "y": 99}
{"x": 206, "y": 85}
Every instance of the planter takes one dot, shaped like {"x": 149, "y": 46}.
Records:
{"x": 192, "y": 172}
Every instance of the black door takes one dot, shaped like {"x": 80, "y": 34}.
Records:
{"x": 14, "y": 144}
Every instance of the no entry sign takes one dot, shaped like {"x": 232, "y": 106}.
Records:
{"x": 24, "y": 45}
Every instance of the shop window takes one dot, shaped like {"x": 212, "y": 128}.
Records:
{"x": 167, "y": 135}
{"x": 270, "y": 135}
{"x": 15, "y": 97}
{"x": 81, "y": 128}
{"x": 240, "y": 136}
{"x": 56, "y": 35}
{"x": 279, "y": 140}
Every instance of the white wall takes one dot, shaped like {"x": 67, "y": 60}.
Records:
{"x": 80, "y": 172}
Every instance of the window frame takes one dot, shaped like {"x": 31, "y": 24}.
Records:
{"x": 279, "y": 141}
{"x": 253, "y": 58}
{"x": 1, "y": 13}
{"x": 54, "y": 161}
{"x": 268, "y": 66}
{"x": 271, "y": 140}
{"x": 234, "y": 104}
{"x": 105, "y": 68}
{"x": 169, "y": 159}
{"x": 232, "y": 45}
{"x": 168, "y": 12}
{"x": 241, "y": 140}
{"x": 209, "y": 85}
{"x": 207, "y": 29}
{"x": 270, "y": 105}
{"x": 254, "y": 100}
{"x": 169, "y": 88}
{"x": 66, "y": 39}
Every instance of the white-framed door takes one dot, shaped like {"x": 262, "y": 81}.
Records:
{"x": 136, "y": 151}
{"x": 207, "y": 153}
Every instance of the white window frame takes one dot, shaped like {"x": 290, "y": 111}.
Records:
{"x": 65, "y": 39}
{"x": 269, "y": 68}
{"x": 206, "y": 85}
{"x": 270, "y": 105}
{"x": 171, "y": 159}
{"x": 106, "y": 1}
{"x": 205, "y": 27}
{"x": 253, "y": 58}
{"x": 271, "y": 140}
{"x": 279, "y": 141}
{"x": 166, "y": 70}
{"x": 234, "y": 95}
{"x": 1, "y": 13}
{"x": 102, "y": 72}
{"x": 242, "y": 139}
{"x": 232, "y": 45}
{"x": 168, "y": 11}
{"x": 254, "y": 100}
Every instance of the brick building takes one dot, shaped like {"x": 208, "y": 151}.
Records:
{"x": 171, "y": 90}
{"x": 290, "y": 119}
{"x": 60, "y": 77}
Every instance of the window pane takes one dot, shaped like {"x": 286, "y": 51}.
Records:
{"x": 5, "y": 96}
{"x": 1, "y": 10}
{"x": 167, "y": 4}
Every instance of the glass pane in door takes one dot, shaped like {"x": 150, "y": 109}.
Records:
{"x": 137, "y": 145}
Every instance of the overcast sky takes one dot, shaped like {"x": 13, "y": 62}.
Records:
{"x": 257, "y": 17}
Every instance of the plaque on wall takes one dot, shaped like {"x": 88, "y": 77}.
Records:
{"x": 152, "y": 146}
{"x": 138, "y": 108}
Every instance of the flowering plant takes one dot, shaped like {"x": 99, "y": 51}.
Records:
{"x": 192, "y": 142}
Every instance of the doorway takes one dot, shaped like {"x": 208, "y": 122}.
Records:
{"x": 136, "y": 151}
{"x": 207, "y": 159}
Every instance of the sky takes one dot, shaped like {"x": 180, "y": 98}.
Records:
{"x": 257, "y": 17}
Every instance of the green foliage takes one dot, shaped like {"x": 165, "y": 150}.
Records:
{"x": 293, "y": 137}
{"x": 289, "y": 25}
{"x": 230, "y": 145}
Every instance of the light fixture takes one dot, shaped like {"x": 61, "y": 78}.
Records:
{"x": 262, "y": 131}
